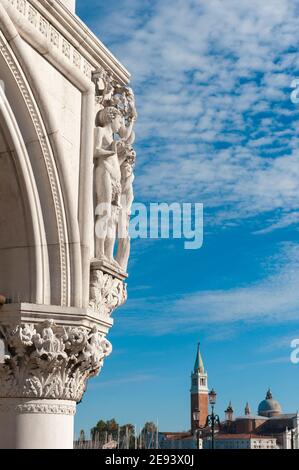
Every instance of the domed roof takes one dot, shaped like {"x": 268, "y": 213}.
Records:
{"x": 269, "y": 407}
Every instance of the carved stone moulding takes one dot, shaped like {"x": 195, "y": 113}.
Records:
{"x": 52, "y": 31}
{"x": 25, "y": 406}
{"x": 49, "y": 360}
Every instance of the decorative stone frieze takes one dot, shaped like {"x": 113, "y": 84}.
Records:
{"x": 48, "y": 31}
{"x": 40, "y": 407}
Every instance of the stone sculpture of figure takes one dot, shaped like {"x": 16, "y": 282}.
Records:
{"x": 47, "y": 344}
{"x": 110, "y": 180}
{"x": 127, "y": 197}
{"x": 127, "y": 155}
{"x": 95, "y": 349}
{"x": 107, "y": 180}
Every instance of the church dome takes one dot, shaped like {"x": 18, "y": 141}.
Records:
{"x": 269, "y": 407}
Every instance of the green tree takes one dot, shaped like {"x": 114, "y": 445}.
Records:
{"x": 105, "y": 430}
{"x": 112, "y": 428}
{"x": 100, "y": 432}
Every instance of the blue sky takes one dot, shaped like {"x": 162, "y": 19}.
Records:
{"x": 216, "y": 126}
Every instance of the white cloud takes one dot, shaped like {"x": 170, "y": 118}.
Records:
{"x": 283, "y": 221}
{"x": 279, "y": 343}
{"x": 202, "y": 72}
{"x": 274, "y": 300}
{"x": 267, "y": 362}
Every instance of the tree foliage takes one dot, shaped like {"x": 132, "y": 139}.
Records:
{"x": 111, "y": 430}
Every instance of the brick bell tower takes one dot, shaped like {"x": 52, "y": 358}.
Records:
{"x": 199, "y": 392}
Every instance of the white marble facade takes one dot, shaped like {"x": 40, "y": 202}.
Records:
{"x": 70, "y": 4}
{"x": 66, "y": 133}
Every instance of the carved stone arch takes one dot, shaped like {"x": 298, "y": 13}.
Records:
{"x": 24, "y": 267}
{"x": 55, "y": 266}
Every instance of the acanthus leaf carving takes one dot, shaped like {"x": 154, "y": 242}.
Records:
{"x": 50, "y": 361}
{"x": 106, "y": 292}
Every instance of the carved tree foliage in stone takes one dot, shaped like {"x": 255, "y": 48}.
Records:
{"x": 50, "y": 361}
{"x": 106, "y": 292}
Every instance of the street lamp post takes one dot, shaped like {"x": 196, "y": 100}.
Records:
{"x": 212, "y": 419}
{"x": 196, "y": 416}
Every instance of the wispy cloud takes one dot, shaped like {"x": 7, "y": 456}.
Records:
{"x": 285, "y": 220}
{"x": 267, "y": 362}
{"x": 212, "y": 79}
{"x": 279, "y": 343}
{"x": 273, "y": 300}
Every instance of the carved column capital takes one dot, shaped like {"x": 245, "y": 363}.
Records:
{"x": 45, "y": 360}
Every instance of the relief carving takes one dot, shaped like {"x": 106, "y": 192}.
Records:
{"x": 106, "y": 292}
{"x": 50, "y": 361}
{"x": 114, "y": 160}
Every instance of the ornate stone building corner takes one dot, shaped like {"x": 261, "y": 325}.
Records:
{"x": 67, "y": 167}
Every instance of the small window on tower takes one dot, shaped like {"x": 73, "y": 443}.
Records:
{"x": 194, "y": 382}
{"x": 202, "y": 382}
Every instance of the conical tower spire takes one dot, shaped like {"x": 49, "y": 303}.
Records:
{"x": 229, "y": 412}
{"x": 247, "y": 409}
{"x": 198, "y": 366}
{"x": 230, "y": 407}
{"x": 199, "y": 393}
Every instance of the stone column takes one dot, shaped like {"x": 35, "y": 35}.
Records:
{"x": 47, "y": 357}
{"x": 36, "y": 424}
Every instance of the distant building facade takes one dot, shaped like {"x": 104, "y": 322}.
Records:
{"x": 241, "y": 441}
{"x": 269, "y": 423}
{"x": 178, "y": 440}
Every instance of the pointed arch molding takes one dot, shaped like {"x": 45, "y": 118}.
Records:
{"x": 51, "y": 170}
{"x": 39, "y": 292}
